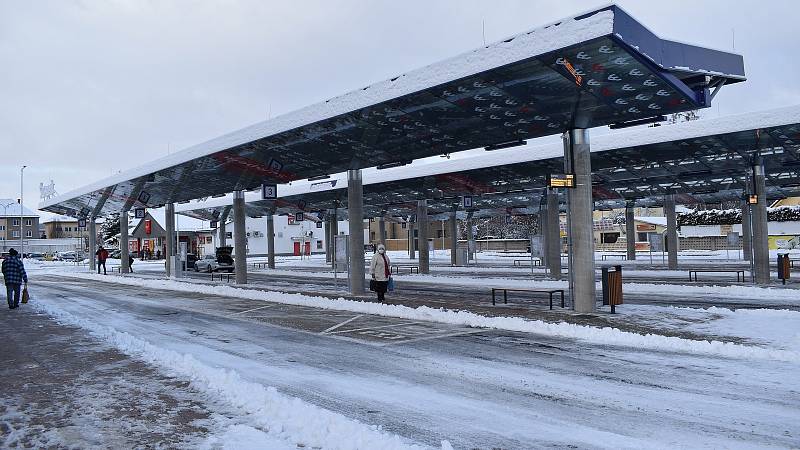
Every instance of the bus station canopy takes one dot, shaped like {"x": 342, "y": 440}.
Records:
{"x": 701, "y": 161}
{"x": 598, "y": 68}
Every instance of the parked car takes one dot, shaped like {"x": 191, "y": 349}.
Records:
{"x": 207, "y": 263}
{"x": 37, "y": 256}
{"x": 66, "y": 256}
{"x": 225, "y": 258}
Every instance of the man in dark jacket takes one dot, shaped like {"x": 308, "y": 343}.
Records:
{"x": 102, "y": 256}
{"x": 14, "y": 274}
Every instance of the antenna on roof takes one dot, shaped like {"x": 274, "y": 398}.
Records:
{"x": 483, "y": 30}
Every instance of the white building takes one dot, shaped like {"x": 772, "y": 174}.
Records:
{"x": 291, "y": 238}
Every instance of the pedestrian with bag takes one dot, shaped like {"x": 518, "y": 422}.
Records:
{"x": 14, "y": 275}
{"x": 102, "y": 256}
{"x": 381, "y": 275}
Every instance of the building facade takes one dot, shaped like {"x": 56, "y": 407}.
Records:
{"x": 14, "y": 225}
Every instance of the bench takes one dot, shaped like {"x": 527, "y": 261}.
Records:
{"x": 220, "y": 275}
{"x": 535, "y": 261}
{"x": 395, "y": 268}
{"x": 260, "y": 265}
{"x": 622, "y": 256}
{"x": 547, "y": 291}
{"x": 792, "y": 261}
{"x": 736, "y": 271}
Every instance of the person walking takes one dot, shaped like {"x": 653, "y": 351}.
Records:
{"x": 102, "y": 256}
{"x": 130, "y": 263}
{"x": 14, "y": 274}
{"x": 379, "y": 267}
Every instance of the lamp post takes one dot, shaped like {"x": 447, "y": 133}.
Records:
{"x": 6, "y": 230}
{"x": 21, "y": 203}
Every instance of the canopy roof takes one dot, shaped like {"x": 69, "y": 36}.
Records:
{"x": 598, "y": 68}
{"x": 701, "y": 161}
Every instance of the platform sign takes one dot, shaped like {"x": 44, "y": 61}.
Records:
{"x": 467, "y": 201}
{"x": 752, "y": 199}
{"x": 139, "y": 213}
{"x": 269, "y": 191}
{"x": 213, "y": 224}
{"x": 81, "y": 223}
{"x": 299, "y": 217}
{"x": 509, "y": 219}
{"x": 319, "y": 224}
{"x": 144, "y": 197}
{"x": 561, "y": 181}
{"x": 656, "y": 242}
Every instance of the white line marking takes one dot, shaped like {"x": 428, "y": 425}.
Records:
{"x": 374, "y": 328}
{"x": 251, "y": 310}
{"x": 341, "y": 324}
{"x": 425, "y": 338}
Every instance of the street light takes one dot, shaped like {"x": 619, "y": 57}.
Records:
{"x": 5, "y": 216}
{"x": 21, "y": 242}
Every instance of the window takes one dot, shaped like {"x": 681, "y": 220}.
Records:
{"x": 16, "y": 222}
{"x": 319, "y": 245}
{"x": 28, "y": 222}
{"x": 2, "y": 228}
{"x": 609, "y": 238}
{"x": 15, "y": 233}
{"x": 642, "y": 237}
{"x": 439, "y": 234}
{"x": 29, "y": 233}
{"x": 372, "y": 236}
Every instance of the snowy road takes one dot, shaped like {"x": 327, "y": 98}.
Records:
{"x": 476, "y": 388}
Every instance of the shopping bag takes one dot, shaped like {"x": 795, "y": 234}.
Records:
{"x": 372, "y": 284}
{"x": 25, "y": 295}
{"x": 390, "y": 284}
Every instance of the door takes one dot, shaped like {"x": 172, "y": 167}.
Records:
{"x": 296, "y": 249}
{"x": 308, "y": 248}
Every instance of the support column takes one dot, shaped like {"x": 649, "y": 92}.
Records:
{"x": 672, "y": 232}
{"x": 453, "y": 237}
{"x": 334, "y": 233}
{"x": 239, "y": 238}
{"x": 271, "y": 239}
{"x": 328, "y": 238}
{"x": 382, "y": 230}
{"x": 422, "y": 236}
{"x": 552, "y": 239}
{"x": 577, "y": 160}
{"x": 123, "y": 242}
{"x": 92, "y": 243}
{"x": 630, "y": 230}
{"x": 471, "y": 236}
{"x": 759, "y": 226}
{"x": 222, "y": 229}
{"x": 355, "y": 213}
{"x": 169, "y": 230}
{"x": 412, "y": 253}
{"x": 747, "y": 232}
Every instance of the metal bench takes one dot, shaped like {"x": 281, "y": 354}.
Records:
{"x": 792, "y": 261}
{"x": 226, "y": 275}
{"x": 260, "y": 265}
{"x": 622, "y": 256}
{"x": 543, "y": 291}
{"x": 535, "y": 261}
{"x": 739, "y": 273}
{"x": 395, "y": 268}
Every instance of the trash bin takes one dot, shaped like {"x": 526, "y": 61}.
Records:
{"x": 783, "y": 267}
{"x": 612, "y": 287}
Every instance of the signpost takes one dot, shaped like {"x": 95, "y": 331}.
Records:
{"x": 657, "y": 245}
{"x": 467, "y": 202}
{"x": 269, "y": 191}
{"x": 561, "y": 180}
{"x": 139, "y": 213}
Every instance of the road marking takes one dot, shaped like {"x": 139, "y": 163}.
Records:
{"x": 425, "y": 338}
{"x": 374, "y": 328}
{"x": 251, "y": 310}
{"x": 341, "y": 324}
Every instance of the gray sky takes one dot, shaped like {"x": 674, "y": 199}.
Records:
{"x": 89, "y": 88}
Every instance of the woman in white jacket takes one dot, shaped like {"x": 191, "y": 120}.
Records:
{"x": 380, "y": 269}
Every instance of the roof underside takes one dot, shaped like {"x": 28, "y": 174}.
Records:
{"x": 704, "y": 169}
{"x": 596, "y": 69}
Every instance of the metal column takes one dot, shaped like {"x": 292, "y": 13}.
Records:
{"x": 453, "y": 237}
{"x": 552, "y": 240}
{"x": 672, "y": 232}
{"x": 577, "y": 161}
{"x": 271, "y": 239}
{"x": 382, "y": 230}
{"x": 92, "y": 242}
{"x": 747, "y": 232}
{"x": 630, "y": 230}
{"x": 422, "y": 236}
{"x": 222, "y": 224}
{"x": 334, "y": 232}
{"x": 412, "y": 253}
{"x": 239, "y": 238}
{"x": 169, "y": 230}
{"x": 328, "y": 238}
{"x": 471, "y": 236}
{"x": 759, "y": 225}
{"x": 355, "y": 213}
{"x": 123, "y": 242}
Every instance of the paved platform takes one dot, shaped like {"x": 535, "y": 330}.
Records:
{"x": 64, "y": 389}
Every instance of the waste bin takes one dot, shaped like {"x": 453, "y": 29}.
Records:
{"x": 612, "y": 287}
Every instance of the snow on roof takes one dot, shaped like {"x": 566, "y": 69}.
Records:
{"x": 655, "y": 220}
{"x": 535, "y": 42}
{"x": 10, "y": 208}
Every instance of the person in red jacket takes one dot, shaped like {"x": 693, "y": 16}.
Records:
{"x": 102, "y": 256}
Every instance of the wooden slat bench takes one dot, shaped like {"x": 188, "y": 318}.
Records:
{"x": 739, "y": 273}
{"x": 395, "y": 268}
{"x": 519, "y": 262}
{"x": 622, "y": 256}
{"x": 226, "y": 275}
{"x": 543, "y": 291}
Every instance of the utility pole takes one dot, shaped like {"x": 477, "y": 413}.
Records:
{"x": 21, "y": 203}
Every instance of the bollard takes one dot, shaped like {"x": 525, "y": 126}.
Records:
{"x": 612, "y": 287}
{"x": 783, "y": 267}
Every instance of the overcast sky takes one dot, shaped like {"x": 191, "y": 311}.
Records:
{"x": 89, "y": 88}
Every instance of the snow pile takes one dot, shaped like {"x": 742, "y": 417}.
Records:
{"x": 284, "y": 419}
{"x": 602, "y": 336}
